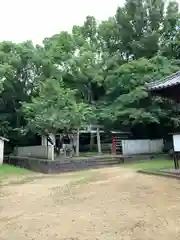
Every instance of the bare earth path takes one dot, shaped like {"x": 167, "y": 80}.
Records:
{"x": 104, "y": 204}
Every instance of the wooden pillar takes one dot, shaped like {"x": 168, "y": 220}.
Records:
{"x": 43, "y": 140}
{"x": 91, "y": 141}
{"x": 113, "y": 145}
{"x": 1, "y": 151}
{"x": 98, "y": 141}
{"x": 77, "y": 143}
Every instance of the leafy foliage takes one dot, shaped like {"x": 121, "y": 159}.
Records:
{"x": 55, "y": 108}
{"x": 130, "y": 101}
{"x": 95, "y": 73}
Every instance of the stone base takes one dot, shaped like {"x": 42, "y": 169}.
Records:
{"x": 68, "y": 165}
{"x": 162, "y": 173}
{"x": 172, "y": 171}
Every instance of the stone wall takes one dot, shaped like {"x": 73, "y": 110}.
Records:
{"x": 43, "y": 152}
{"x": 144, "y": 146}
{"x": 67, "y": 165}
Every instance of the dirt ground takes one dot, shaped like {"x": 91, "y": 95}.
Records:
{"x": 103, "y": 204}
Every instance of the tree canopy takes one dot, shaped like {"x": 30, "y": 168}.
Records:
{"x": 55, "y": 108}
{"x": 95, "y": 73}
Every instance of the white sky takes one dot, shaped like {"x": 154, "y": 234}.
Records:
{"x": 36, "y": 19}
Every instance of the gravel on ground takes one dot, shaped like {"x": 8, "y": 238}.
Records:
{"x": 104, "y": 204}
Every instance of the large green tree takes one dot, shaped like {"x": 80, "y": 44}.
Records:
{"x": 127, "y": 99}
{"x": 19, "y": 66}
{"x": 103, "y": 66}
{"x": 56, "y": 108}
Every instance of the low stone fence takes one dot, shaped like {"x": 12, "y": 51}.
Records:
{"x": 43, "y": 152}
{"x": 144, "y": 146}
{"x": 66, "y": 165}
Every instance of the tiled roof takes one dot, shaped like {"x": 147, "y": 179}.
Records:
{"x": 169, "y": 81}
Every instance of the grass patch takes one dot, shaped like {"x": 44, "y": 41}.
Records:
{"x": 6, "y": 170}
{"x": 13, "y": 175}
{"x": 151, "y": 165}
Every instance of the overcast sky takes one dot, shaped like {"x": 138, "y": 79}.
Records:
{"x": 36, "y": 19}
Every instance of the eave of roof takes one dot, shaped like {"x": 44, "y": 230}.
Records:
{"x": 166, "y": 82}
{"x": 4, "y": 139}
